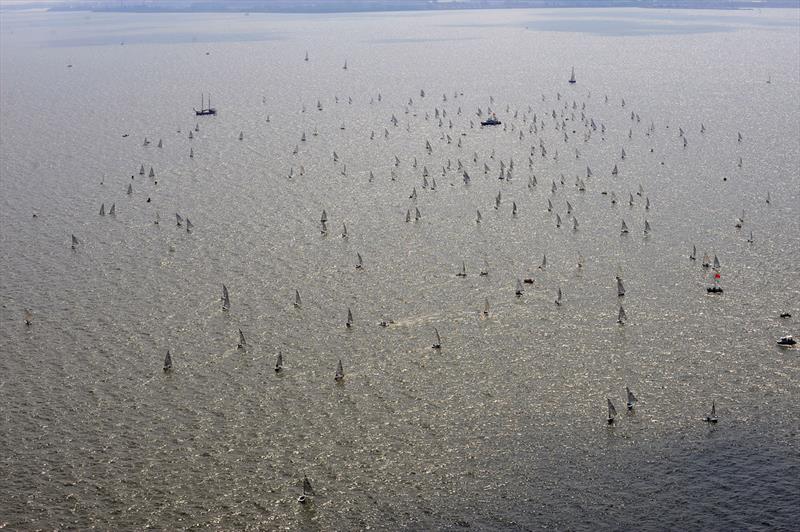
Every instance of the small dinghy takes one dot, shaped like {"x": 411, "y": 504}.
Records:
{"x": 279, "y": 363}
{"x": 349, "y": 322}
{"x": 621, "y": 317}
{"x": 339, "y": 376}
{"x": 463, "y": 271}
{"x": 612, "y": 412}
{"x": 226, "y": 302}
{"x": 711, "y": 417}
{"x": 168, "y": 362}
{"x": 437, "y": 344}
{"x": 519, "y": 290}
{"x": 631, "y": 398}
{"x": 308, "y": 491}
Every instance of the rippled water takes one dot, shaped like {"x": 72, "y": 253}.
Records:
{"x": 504, "y": 427}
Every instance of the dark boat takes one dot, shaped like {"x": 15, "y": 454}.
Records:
{"x": 787, "y": 340}
{"x": 714, "y": 289}
{"x": 205, "y": 110}
{"x": 491, "y": 121}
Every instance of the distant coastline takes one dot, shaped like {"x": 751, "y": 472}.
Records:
{"x": 360, "y": 6}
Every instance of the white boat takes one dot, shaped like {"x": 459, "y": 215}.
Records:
{"x": 787, "y": 340}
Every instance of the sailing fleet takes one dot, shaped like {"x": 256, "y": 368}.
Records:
{"x": 560, "y": 123}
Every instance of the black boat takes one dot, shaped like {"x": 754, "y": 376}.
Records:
{"x": 787, "y": 340}
{"x": 205, "y": 110}
{"x": 491, "y": 121}
{"x": 714, "y": 289}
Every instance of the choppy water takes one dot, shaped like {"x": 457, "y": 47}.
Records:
{"x": 504, "y": 428}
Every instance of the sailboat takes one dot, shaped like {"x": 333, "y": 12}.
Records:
{"x": 279, "y": 363}
{"x": 485, "y": 269}
{"x": 226, "y": 302}
{"x": 339, "y": 372}
{"x": 437, "y": 344}
{"x": 647, "y": 228}
{"x": 102, "y": 209}
{"x": 558, "y": 297}
{"x": 631, "y": 398}
{"x": 715, "y": 288}
{"x": 344, "y": 230}
{"x": 612, "y": 412}
{"x": 130, "y": 189}
{"x": 178, "y": 220}
{"x": 168, "y": 362}
{"x": 463, "y": 272}
{"x": 750, "y": 240}
{"x": 514, "y": 208}
{"x": 141, "y": 170}
{"x": 203, "y": 109}
{"x": 189, "y": 225}
{"x": 478, "y": 219}
{"x": 706, "y": 261}
{"x": 28, "y": 317}
{"x": 543, "y": 265}
{"x": 620, "y": 287}
{"x": 486, "y": 308}
{"x": 345, "y": 65}
{"x": 572, "y": 76}
{"x": 417, "y": 214}
{"x": 306, "y": 55}
{"x": 152, "y": 172}
{"x": 711, "y": 417}
{"x": 74, "y": 242}
{"x": 693, "y": 256}
{"x": 349, "y": 322}
{"x": 297, "y": 302}
{"x": 359, "y": 261}
{"x": 308, "y": 491}
{"x": 621, "y": 317}
{"x": 242, "y": 344}
{"x": 716, "y": 263}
